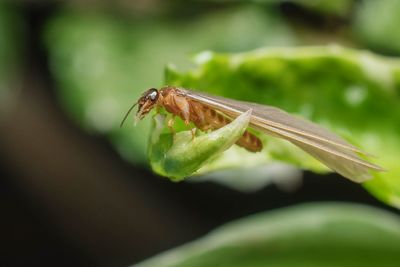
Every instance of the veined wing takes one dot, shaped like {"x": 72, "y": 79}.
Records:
{"x": 325, "y": 146}
{"x": 278, "y": 118}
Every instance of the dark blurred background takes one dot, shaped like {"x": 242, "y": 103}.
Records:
{"x": 67, "y": 197}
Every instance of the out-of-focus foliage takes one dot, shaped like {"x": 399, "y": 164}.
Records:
{"x": 307, "y": 235}
{"x": 9, "y": 48}
{"x": 327, "y": 7}
{"x": 338, "y": 7}
{"x": 377, "y": 24}
{"x": 103, "y": 63}
{"x": 354, "y": 93}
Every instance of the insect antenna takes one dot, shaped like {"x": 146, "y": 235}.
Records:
{"x": 127, "y": 114}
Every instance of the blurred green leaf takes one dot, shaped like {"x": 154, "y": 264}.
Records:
{"x": 325, "y": 7}
{"x": 10, "y": 49}
{"x": 354, "y": 93}
{"x": 306, "y": 235}
{"x": 103, "y": 63}
{"x": 377, "y": 23}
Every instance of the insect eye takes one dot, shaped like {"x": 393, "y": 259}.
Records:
{"x": 153, "y": 95}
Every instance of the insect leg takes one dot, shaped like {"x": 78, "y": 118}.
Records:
{"x": 170, "y": 124}
{"x": 193, "y": 131}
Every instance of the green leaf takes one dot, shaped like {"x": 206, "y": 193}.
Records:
{"x": 353, "y": 93}
{"x": 328, "y": 7}
{"x": 324, "y": 7}
{"x": 179, "y": 155}
{"x": 378, "y": 32}
{"x": 10, "y": 50}
{"x": 306, "y": 235}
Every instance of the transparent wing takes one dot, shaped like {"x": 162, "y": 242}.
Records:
{"x": 325, "y": 146}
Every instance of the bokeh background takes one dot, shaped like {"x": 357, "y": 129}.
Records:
{"x": 75, "y": 189}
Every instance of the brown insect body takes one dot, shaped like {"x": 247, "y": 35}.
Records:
{"x": 204, "y": 117}
{"x": 208, "y": 112}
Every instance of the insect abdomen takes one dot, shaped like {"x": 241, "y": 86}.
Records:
{"x": 250, "y": 142}
{"x": 208, "y": 119}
